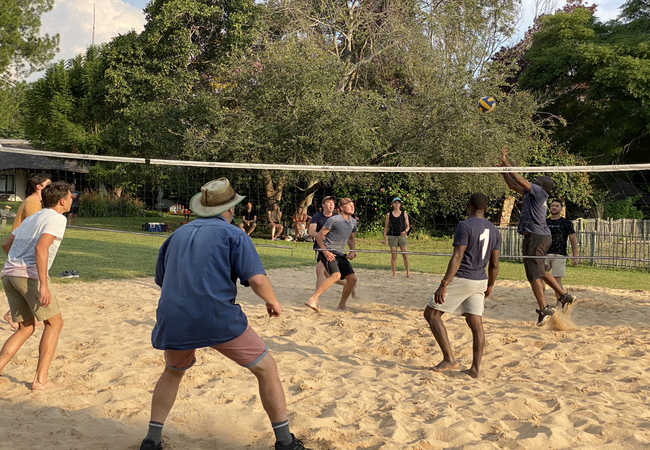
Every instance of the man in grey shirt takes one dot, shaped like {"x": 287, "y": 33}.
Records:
{"x": 337, "y": 231}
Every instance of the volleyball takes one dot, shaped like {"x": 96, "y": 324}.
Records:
{"x": 487, "y": 104}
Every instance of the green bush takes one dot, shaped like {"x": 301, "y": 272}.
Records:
{"x": 623, "y": 209}
{"x": 106, "y": 204}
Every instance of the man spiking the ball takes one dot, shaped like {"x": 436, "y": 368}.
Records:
{"x": 537, "y": 237}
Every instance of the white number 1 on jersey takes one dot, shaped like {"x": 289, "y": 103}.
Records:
{"x": 485, "y": 238}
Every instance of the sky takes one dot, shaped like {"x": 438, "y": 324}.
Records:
{"x": 73, "y": 21}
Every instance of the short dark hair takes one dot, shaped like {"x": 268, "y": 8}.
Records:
{"x": 55, "y": 192}
{"x": 545, "y": 182}
{"x": 35, "y": 179}
{"x": 478, "y": 201}
{"x": 328, "y": 198}
{"x": 557, "y": 200}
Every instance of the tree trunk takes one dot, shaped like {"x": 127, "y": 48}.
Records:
{"x": 506, "y": 211}
{"x": 273, "y": 190}
{"x": 308, "y": 195}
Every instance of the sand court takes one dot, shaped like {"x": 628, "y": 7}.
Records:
{"x": 358, "y": 379}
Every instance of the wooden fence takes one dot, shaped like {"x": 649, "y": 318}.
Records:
{"x": 607, "y": 243}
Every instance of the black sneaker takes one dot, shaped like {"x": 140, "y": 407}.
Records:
{"x": 567, "y": 301}
{"x": 148, "y": 444}
{"x": 65, "y": 274}
{"x": 544, "y": 315}
{"x": 74, "y": 274}
{"x": 297, "y": 444}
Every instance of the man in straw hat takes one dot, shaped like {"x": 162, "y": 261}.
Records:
{"x": 197, "y": 270}
{"x": 537, "y": 238}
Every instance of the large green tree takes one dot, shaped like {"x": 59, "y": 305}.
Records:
{"x": 22, "y": 51}
{"x": 595, "y": 79}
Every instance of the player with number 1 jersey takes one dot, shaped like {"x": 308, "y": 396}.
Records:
{"x": 465, "y": 284}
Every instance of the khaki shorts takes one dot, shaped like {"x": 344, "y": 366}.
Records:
{"x": 463, "y": 292}
{"x": 23, "y": 294}
{"x": 247, "y": 349}
{"x": 557, "y": 266}
{"x": 397, "y": 241}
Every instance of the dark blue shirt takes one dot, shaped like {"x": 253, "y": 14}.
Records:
{"x": 319, "y": 219}
{"x": 481, "y": 238}
{"x": 560, "y": 231}
{"x": 197, "y": 269}
{"x": 534, "y": 211}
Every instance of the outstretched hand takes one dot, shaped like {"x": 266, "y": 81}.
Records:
{"x": 503, "y": 160}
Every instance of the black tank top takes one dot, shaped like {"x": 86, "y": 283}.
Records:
{"x": 396, "y": 224}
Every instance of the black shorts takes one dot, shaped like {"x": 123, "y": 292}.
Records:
{"x": 535, "y": 245}
{"x": 74, "y": 210}
{"x": 341, "y": 264}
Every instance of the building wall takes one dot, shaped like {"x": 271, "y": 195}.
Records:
{"x": 21, "y": 184}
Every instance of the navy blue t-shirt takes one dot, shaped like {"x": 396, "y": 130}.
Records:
{"x": 560, "y": 231}
{"x": 481, "y": 238}
{"x": 319, "y": 219}
{"x": 534, "y": 211}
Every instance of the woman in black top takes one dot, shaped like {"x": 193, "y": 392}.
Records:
{"x": 395, "y": 229}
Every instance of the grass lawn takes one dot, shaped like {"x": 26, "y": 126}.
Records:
{"x": 110, "y": 255}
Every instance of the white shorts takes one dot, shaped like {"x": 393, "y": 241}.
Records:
{"x": 556, "y": 266}
{"x": 463, "y": 292}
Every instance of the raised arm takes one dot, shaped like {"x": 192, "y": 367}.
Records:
{"x": 514, "y": 180}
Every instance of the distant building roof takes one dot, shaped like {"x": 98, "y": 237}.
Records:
{"x": 9, "y": 160}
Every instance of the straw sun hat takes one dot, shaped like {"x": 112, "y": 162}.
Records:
{"x": 216, "y": 197}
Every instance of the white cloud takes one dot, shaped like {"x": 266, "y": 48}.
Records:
{"x": 73, "y": 21}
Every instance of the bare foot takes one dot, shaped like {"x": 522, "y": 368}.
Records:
{"x": 444, "y": 365}
{"x": 471, "y": 372}
{"x": 408, "y": 276}
{"x": 354, "y": 294}
{"x": 342, "y": 308}
{"x": 9, "y": 320}
{"x": 394, "y": 275}
{"x": 36, "y": 386}
{"x": 312, "y": 304}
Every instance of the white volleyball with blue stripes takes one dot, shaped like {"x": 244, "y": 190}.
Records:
{"x": 487, "y": 104}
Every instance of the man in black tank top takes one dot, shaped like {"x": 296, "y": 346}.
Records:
{"x": 395, "y": 229}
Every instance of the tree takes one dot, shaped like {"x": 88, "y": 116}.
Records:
{"x": 594, "y": 77}
{"x": 22, "y": 51}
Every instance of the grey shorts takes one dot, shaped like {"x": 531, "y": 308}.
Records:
{"x": 468, "y": 294}
{"x": 397, "y": 241}
{"x": 556, "y": 266}
{"x": 23, "y": 294}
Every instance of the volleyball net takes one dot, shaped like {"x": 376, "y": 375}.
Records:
{"x": 609, "y": 205}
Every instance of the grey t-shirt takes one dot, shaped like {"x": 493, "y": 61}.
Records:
{"x": 534, "y": 211}
{"x": 340, "y": 231}
{"x": 480, "y": 238}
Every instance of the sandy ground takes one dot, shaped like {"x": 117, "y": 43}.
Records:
{"x": 354, "y": 380}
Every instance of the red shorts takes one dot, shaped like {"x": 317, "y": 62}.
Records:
{"x": 246, "y": 350}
